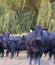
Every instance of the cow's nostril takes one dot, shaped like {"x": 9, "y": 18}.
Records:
{"x": 38, "y": 41}
{"x": 38, "y": 38}
{"x": 4, "y": 45}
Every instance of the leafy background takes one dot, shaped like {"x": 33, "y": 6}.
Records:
{"x": 17, "y": 16}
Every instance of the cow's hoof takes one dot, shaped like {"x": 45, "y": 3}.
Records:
{"x": 1, "y": 55}
{"x": 6, "y": 56}
{"x": 37, "y": 63}
{"x": 54, "y": 61}
{"x": 11, "y": 57}
{"x": 49, "y": 58}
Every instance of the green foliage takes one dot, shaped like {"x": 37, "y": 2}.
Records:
{"x": 2, "y": 9}
{"x": 53, "y": 10}
{"x": 44, "y": 14}
{"x": 17, "y": 16}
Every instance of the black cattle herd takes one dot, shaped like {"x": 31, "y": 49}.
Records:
{"x": 37, "y": 42}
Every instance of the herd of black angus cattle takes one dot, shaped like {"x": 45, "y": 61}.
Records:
{"x": 37, "y": 42}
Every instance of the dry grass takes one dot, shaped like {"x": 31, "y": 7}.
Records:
{"x": 22, "y": 60}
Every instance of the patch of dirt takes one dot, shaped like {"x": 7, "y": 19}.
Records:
{"x": 23, "y": 60}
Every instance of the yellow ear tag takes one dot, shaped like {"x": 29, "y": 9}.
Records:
{"x": 30, "y": 30}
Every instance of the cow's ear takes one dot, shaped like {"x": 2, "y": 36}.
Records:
{"x": 9, "y": 33}
{"x": 32, "y": 28}
{"x": 3, "y": 32}
{"x": 45, "y": 29}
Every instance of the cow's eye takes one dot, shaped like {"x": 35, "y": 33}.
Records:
{"x": 36, "y": 31}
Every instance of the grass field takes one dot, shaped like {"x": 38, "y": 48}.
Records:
{"x": 23, "y": 60}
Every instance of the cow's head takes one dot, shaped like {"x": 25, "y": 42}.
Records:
{"x": 38, "y": 32}
{"x": 5, "y": 37}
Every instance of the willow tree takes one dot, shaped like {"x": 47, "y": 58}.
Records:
{"x": 53, "y": 17}
{"x": 44, "y": 14}
{"x": 10, "y": 21}
{"x": 19, "y": 15}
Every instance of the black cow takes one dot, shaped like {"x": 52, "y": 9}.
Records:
{"x": 3, "y": 42}
{"x": 1, "y": 48}
{"x": 52, "y": 45}
{"x": 5, "y": 38}
{"x": 34, "y": 45}
{"x": 15, "y": 45}
{"x": 47, "y": 39}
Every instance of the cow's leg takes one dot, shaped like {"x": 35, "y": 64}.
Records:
{"x": 27, "y": 54}
{"x": 30, "y": 61}
{"x": 17, "y": 52}
{"x": 35, "y": 61}
{"x": 38, "y": 60}
{"x": 54, "y": 58}
{"x": 28, "y": 50}
{"x": 2, "y": 53}
{"x": 31, "y": 57}
{"x": 7, "y": 53}
{"x": 39, "y": 57}
{"x": 50, "y": 55}
{"x": 12, "y": 53}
